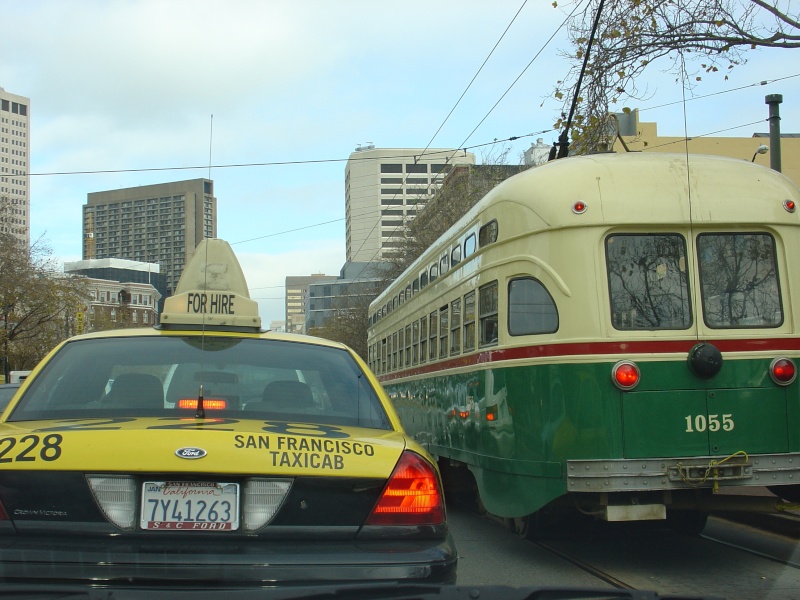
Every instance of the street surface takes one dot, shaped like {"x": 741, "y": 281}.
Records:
{"x": 727, "y": 560}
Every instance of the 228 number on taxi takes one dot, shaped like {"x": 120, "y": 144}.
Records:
{"x": 701, "y": 423}
{"x": 30, "y": 448}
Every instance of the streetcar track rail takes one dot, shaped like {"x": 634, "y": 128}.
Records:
{"x": 584, "y": 566}
{"x": 775, "y": 559}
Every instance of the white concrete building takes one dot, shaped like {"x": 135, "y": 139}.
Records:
{"x": 384, "y": 187}
{"x": 14, "y": 166}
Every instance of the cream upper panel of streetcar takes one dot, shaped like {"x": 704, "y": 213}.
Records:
{"x": 647, "y": 188}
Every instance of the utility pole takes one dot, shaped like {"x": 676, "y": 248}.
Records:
{"x": 774, "y": 100}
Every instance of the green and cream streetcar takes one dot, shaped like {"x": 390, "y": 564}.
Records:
{"x": 614, "y": 332}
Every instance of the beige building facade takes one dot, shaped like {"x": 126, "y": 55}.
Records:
{"x": 386, "y": 186}
{"x": 647, "y": 139}
{"x": 14, "y": 166}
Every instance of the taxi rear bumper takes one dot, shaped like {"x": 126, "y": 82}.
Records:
{"x": 233, "y": 562}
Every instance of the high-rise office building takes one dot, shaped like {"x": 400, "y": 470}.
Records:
{"x": 296, "y": 298}
{"x": 14, "y": 166}
{"x": 160, "y": 223}
{"x": 384, "y": 187}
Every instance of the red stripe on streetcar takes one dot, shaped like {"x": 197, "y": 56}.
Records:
{"x": 593, "y": 348}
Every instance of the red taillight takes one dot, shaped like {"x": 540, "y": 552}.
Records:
{"x": 782, "y": 371}
{"x": 208, "y": 403}
{"x": 625, "y": 375}
{"x": 412, "y": 496}
{"x": 789, "y": 205}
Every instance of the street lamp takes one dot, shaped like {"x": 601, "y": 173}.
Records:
{"x": 762, "y": 149}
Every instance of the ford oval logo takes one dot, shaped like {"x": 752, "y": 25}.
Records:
{"x": 190, "y": 453}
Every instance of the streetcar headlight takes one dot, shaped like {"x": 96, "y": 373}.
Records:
{"x": 625, "y": 375}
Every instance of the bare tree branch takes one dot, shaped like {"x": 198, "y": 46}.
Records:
{"x": 708, "y": 35}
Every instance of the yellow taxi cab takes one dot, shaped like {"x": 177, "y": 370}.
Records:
{"x": 208, "y": 450}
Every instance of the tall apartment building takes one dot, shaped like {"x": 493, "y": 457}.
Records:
{"x": 14, "y": 166}
{"x": 296, "y": 298}
{"x": 386, "y": 186}
{"x": 160, "y": 223}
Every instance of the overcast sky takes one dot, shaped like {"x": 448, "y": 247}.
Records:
{"x": 125, "y": 85}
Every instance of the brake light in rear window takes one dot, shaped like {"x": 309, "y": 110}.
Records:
{"x": 412, "y": 496}
{"x": 208, "y": 403}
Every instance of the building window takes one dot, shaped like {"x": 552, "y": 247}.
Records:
{"x": 391, "y": 168}
{"x": 417, "y": 168}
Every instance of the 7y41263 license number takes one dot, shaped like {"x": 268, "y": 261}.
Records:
{"x": 190, "y": 506}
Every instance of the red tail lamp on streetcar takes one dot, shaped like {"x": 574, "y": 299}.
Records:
{"x": 783, "y": 371}
{"x": 625, "y": 375}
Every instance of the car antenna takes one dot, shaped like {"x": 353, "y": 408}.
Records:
{"x": 201, "y": 411}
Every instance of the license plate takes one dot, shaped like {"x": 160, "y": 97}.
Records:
{"x": 189, "y": 506}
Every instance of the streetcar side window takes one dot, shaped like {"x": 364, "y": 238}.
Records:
{"x": 415, "y": 342}
{"x": 408, "y": 345}
{"x": 455, "y": 255}
{"x": 487, "y": 234}
{"x": 423, "y": 279}
{"x": 469, "y": 321}
{"x": 444, "y": 264}
{"x": 648, "y": 282}
{"x": 408, "y": 292}
{"x": 414, "y": 286}
{"x": 487, "y": 307}
{"x": 455, "y": 326}
{"x": 531, "y": 308}
{"x": 423, "y": 339}
{"x": 469, "y": 245}
{"x": 432, "y": 331}
{"x": 401, "y": 347}
{"x": 443, "y": 331}
{"x": 739, "y": 280}
{"x": 434, "y": 273}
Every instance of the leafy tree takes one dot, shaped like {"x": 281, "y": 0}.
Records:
{"x": 36, "y": 302}
{"x": 693, "y": 37}
{"x": 348, "y": 325}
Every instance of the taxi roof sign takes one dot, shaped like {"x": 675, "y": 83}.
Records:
{"x": 212, "y": 291}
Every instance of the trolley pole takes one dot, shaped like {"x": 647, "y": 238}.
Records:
{"x": 774, "y": 100}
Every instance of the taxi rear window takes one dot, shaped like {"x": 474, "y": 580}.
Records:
{"x": 240, "y": 378}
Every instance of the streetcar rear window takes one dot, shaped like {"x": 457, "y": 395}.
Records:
{"x": 739, "y": 280}
{"x": 648, "y": 282}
